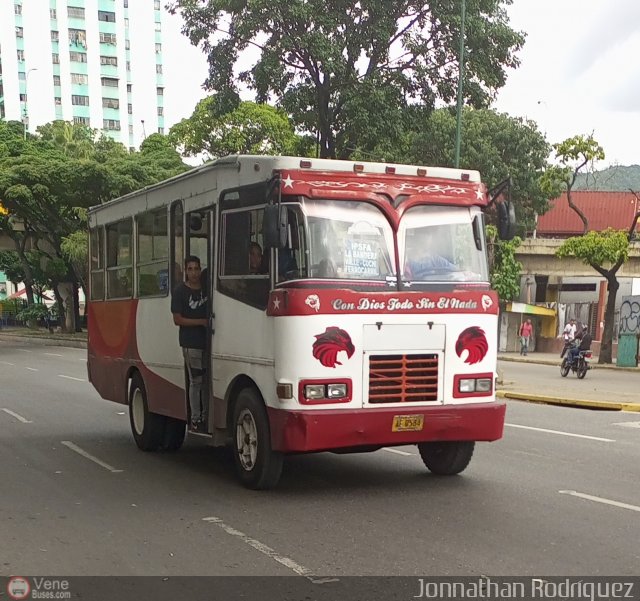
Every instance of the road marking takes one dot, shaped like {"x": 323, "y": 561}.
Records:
{"x": 560, "y": 432}
{"x": 582, "y": 495}
{"x": 31, "y": 368}
{"x": 77, "y": 449}
{"x": 6, "y": 363}
{"x": 628, "y": 424}
{"x": 72, "y": 378}
{"x": 24, "y": 420}
{"x": 396, "y": 451}
{"x": 23, "y": 350}
{"x": 269, "y": 552}
{"x": 54, "y": 354}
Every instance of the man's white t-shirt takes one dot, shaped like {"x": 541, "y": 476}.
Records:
{"x": 569, "y": 332}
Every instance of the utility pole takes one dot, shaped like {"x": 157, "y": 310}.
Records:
{"x": 460, "y": 82}
{"x": 25, "y": 116}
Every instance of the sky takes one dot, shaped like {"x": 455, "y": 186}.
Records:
{"x": 579, "y": 72}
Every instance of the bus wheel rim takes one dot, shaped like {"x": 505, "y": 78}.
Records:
{"x": 137, "y": 411}
{"x": 246, "y": 440}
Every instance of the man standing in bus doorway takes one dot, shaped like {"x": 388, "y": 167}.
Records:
{"x": 189, "y": 308}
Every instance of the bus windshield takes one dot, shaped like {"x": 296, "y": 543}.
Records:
{"x": 348, "y": 240}
{"x": 438, "y": 244}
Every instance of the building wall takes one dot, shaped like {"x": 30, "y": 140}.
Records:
{"x": 68, "y": 47}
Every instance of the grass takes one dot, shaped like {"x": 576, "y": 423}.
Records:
{"x": 43, "y": 333}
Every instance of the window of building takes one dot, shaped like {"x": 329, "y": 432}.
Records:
{"x": 156, "y": 4}
{"x": 55, "y": 36}
{"x": 131, "y": 129}
{"x": 161, "y": 131}
{"x": 160, "y": 91}
{"x": 19, "y": 32}
{"x": 58, "y": 100}
{"x": 77, "y": 57}
{"x": 152, "y": 245}
{"x": 17, "y": 9}
{"x": 158, "y": 48}
{"x": 75, "y": 12}
{"x": 22, "y": 75}
{"x": 111, "y": 103}
{"x": 53, "y": 13}
{"x": 109, "y": 82}
{"x": 158, "y": 68}
{"x": 56, "y": 80}
{"x": 82, "y": 120}
{"x": 55, "y": 57}
{"x": 128, "y": 87}
{"x": 126, "y": 22}
{"x": 158, "y": 26}
{"x": 96, "y": 263}
{"x": 109, "y": 60}
{"x": 126, "y": 3}
{"x": 127, "y": 44}
{"x": 130, "y": 108}
{"x": 20, "y": 55}
{"x": 23, "y": 97}
{"x": 78, "y": 37}
{"x": 79, "y": 79}
{"x": 107, "y": 38}
{"x": 108, "y": 16}
{"x": 111, "y": 124}
{"x": 128, "y": 65}
{"x": 119, "y": 259}
{"x": 79, "y": 100}
{"x": 160, "y": 111}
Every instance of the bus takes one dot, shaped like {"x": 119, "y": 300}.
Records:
{"x": 370, "y": 323}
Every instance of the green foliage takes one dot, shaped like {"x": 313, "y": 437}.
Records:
{"x": 505, "y": 269}
{"x": 347, "y": 69}
{"x": 495, "y": 144}
{"x": 612, "y": 179}
{"x": 597, "y": 248}
{"x": 33, "y": 312}
{"x": 249, "y": 128}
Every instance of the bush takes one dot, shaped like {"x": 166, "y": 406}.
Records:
{"x": 33, "y": 313}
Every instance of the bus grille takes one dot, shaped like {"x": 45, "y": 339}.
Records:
{"x": 403, "y": 378}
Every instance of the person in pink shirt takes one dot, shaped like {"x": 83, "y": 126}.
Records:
{"x": 526, "y": 331}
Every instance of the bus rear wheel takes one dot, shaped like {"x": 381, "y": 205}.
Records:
{"x": 147, "y": 427}
{"x": 446, "y": 458}
{"x": 257, "y": 465}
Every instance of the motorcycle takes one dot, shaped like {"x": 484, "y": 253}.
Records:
{"x": 580, "y": 365}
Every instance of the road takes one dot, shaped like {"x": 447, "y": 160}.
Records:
{"x": 557, "y": 496}
{"x": 599, "y": 384}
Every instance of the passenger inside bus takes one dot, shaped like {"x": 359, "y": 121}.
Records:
{"x": 423, "y": 259}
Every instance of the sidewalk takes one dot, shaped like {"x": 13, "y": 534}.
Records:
{"x": 43, "y": 337}
{"x": 623, "y": 389}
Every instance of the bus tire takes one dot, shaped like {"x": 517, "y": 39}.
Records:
{"x": 446, "y": 458}
{"x": 147, "y": 427}
{"x": 257, "y": 465}
{"x": 174, "y": 433}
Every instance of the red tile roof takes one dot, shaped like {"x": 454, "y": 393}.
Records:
{"x": 602, "y": 210}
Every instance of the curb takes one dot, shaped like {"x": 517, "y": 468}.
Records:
{"x": 552, "y": 400}
{"x": 44, "y": 341}
{"x": 557, "y": 363}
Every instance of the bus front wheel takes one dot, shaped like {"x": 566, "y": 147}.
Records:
{"x": 257, "y": 465}
{"x": 446, "y": 458}
{"x": 147, "y": 427}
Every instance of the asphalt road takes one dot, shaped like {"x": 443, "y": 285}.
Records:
{"x": 557, "y": 496}
{"x": 598, "y": 385}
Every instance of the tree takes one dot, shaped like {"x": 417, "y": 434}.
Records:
{"x": 249, "y": 128}
{"x": 338, "y": 67}
{"x": 504, "y": 268}
{"x": 496, "y": 144}
{"x": 604, "y": 251}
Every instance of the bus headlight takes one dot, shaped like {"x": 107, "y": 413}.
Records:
{"x": 312, "y": 392}
{"x": 336, "y": 391}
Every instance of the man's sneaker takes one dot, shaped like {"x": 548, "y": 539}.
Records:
{"x": 197, "y": 424}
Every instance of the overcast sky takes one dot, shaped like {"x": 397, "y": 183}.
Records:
{"x": 579, "y": 72}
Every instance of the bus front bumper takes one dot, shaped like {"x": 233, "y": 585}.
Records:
{"x": 332, "y": 429}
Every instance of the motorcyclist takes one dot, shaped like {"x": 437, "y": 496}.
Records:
{"x": 583, "y": 343}
{"x": 568, "y": 335}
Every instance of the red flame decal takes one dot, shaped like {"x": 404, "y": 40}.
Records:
{"x": 329, "y": 344}
{"x": 474, "y": 341}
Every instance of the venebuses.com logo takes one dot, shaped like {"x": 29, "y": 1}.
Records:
{"x": 18, "y": 588}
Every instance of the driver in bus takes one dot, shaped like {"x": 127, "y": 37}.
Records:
{"x": 423, "y": 259}
{"x": 189, "y": 309}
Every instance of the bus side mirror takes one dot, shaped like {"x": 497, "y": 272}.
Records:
{"x": 275, "y": 226}
{"x": 506, "y": 220}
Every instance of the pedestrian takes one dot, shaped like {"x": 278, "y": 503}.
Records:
{"x": 526, "y": 331}
{"x": 189, "y": 309}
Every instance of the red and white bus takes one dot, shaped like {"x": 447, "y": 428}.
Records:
{"x": 371, "y": 322}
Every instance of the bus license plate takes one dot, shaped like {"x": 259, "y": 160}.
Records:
{"x": 407, "y": 423}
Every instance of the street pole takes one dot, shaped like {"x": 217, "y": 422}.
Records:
{"x": 460, "y": 80}
{"x": 25, "y": 118}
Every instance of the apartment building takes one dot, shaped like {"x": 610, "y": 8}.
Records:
{"x": 97, "y": 62}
